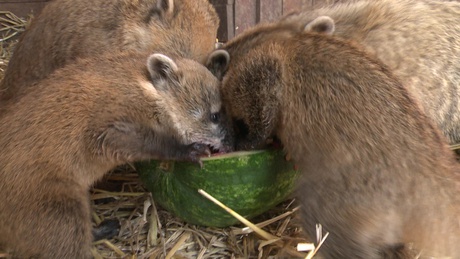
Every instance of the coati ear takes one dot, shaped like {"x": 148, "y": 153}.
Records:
{"x": 322, "y": 24}
{"x": 161, "y": 70}
{"x": 218, "y": 62}
{"x": 165, "y": 6}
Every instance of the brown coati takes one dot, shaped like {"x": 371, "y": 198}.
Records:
{"x": 67, "y": 29}
{"x": 66, "y": 131}
{"x": 418, "y": 40}
{"x": 376, "y": 173}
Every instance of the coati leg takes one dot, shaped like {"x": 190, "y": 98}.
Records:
{"x": 58, "y": 227}
{"x": 131, "y": 142}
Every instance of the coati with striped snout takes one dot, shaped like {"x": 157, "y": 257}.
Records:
{"x": 376, "y": 172}
{"x": 69, "y": 29}
{"x": 68, "y": 130}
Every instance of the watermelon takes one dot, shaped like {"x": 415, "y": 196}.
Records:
{"x": 249, "y": 182}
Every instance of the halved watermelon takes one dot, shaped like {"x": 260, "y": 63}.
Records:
{"x": 249, "y": 182}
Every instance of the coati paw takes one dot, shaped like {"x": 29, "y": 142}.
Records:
{"x": 107, "y": 229}
{"x": 198, "y": 150}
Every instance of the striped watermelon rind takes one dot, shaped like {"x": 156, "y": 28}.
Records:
{"x": 249, "y": 182}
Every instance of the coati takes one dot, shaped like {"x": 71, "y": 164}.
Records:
{"x": 418, "y": 40}
{"x": 67, "y": 29}
{"x": 376, "y": 172}
{"x": 69, "y": 129}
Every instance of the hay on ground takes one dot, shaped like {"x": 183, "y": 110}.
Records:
{"x": 148, "y": 231}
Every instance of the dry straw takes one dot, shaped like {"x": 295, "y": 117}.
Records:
{"x": 148, "y": 231}
{"x": 10, "y": 28}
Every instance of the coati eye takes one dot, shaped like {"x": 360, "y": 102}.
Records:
{"x": 215, "y": 117}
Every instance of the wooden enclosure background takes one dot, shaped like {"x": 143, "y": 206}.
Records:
{"x": 238, "y": 15}
{"x": 23, "y": 8}
{"x": 235, "y": 15}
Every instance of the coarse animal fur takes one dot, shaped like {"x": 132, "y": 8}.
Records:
{"x": 418, "y": 40}
{"x": 376, "y": 172}
{"x": 68, "y": 29}
{"x": 67, "y": 131}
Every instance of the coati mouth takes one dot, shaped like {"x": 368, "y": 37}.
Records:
{"x": 216, "y": 151}
{"x": 215, "y": 146}
{"x": 273, "y": 142}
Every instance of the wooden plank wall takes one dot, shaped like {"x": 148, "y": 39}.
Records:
{"x": 23, "y": 8}
{"x": 235, "y": 15}
{"x": 239, "y": 15}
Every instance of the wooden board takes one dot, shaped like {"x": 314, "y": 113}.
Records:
{"x": 23, "y": 8}
{"x": 235, "y": 15}
{"x": 239, "y": 15}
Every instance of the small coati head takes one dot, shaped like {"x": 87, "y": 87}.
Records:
{"x": 191, "y": 100}
{"x": 169, "y": 23}
{"x": 251, "y": 92}
{"x": 158, "y": 108}
{"x": 250, "y": 80}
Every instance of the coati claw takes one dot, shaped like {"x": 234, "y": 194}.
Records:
{"x": 198, "y": 150}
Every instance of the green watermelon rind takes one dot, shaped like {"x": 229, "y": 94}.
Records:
{"x": 248, "y": 182}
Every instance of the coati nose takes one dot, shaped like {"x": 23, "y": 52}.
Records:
{"x": 226, "y": 149}
{"x": 221, "y": 150}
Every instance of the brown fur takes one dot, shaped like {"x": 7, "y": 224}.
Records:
{"x": 241, "y": 45}
{"x": 418, "y": 40}
{"x": 377, "y": 174}
{"x": 67, "y": 131}
{"x": 67, "y": 29}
